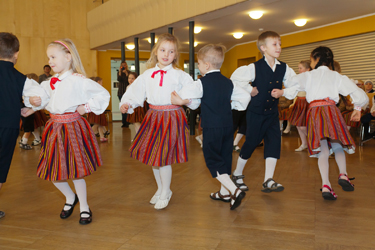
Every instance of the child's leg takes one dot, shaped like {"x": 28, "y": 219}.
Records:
{"x": 323, "y": 164}
{"x": 288, "y": 126}
{"x": 228, "y": 184}
{"x": 237, "y": 139}
{"x": 166, "y": 193}
{"x": 340, "y": 158}
{"x": 281, "y": 124}
{"x": 101, "y": 131}
{"x": 36, "y": 134}
{"x": 156, "y": 196}
{"x": 80, "y": 186}
{"x": 137, "y": 125}
{"x": 64, "y": 188}
{"x": 95, "y": 128}
{"x": 302, "y": 131}
{"x": 25, "y": 137}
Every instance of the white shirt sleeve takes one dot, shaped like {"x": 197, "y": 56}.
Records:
{"x": 32, "y": 88}
{"x": 358, "y": 96}
{"x": 243, "y": 75}
{"x": 97, "y": 96}
{"x": 135, "y": 94}
{"x": 295, "y": 84}
{"x": 192, "y": 90}
{"x": 240, "y": 98}
{"x": 373, "y": 105}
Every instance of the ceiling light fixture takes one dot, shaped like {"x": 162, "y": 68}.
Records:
{"x": 130, "y": 46}
{"x": 195, "y": 44}
{"x": 300, "y": 22}
{"x": 238, "y": 35}
{"x": 197, "y": 29}
{"x": 149, "y": 40}
{"x": 256, "y": 14}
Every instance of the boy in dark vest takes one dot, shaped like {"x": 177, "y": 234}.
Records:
{"x": 262, "y": 115}
{"x": 13, "y": 85}
{"x": 218, "y": 97}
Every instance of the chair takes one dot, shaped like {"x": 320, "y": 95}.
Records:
{"x": 372, "y": 123}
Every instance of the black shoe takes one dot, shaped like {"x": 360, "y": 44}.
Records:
{"x": 2, "y": 214}
{"x": 367, "y": 137}
{"x": 125, "y": 126}
{"x": 84, "y": 220}
{"x": 66, "y": 213}
{"x": 106, "y": 134}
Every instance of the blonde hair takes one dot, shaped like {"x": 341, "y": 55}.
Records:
{"x": 33, "y": 76}
{"x": 262, "y": 38}
{"x": 212, "y": 53}
{"x": 164, "y": 38}
{"x": 305, "y": 64}
{"x": 68, "y": 47}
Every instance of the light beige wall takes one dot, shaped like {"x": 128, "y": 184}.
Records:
{"x": 38, "y": 22}
{"x": 107, "y": 22}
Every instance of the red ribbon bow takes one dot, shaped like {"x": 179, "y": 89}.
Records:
{"x": 162, "y": 72}
{"x": 53, "y": 81}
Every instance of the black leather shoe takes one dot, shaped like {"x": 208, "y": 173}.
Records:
{"x": 66, "y": 213}
{"x": 85, "y": 220}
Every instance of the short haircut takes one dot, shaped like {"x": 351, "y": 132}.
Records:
{"x": 305, "y": 64}
{"x": 212, "y": 53}
{"x": 262, "y": 38}
{"x": 33, "y": 76}
{"x": 9, "y": 45}
{"x": 47, "y": 66}
{"x": 134, "y": 74}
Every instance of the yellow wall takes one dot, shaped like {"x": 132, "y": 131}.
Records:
{"x": 36, "y": 23}
{"x": 349, "y": 28}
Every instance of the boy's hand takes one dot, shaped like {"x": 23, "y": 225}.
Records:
{"x": 124, "y": 108}
{"x": 276, "y": 93}
{"x": 254, "y": 92}
{"x": 36, "y": 101}
{"x": 176, "y": 99}
{"x": 81, "y": 109}
{"x": 25, "y": 112}
{"x": 356, "y": 116}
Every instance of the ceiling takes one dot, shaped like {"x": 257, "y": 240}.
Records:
{"x": 218, "y": 26}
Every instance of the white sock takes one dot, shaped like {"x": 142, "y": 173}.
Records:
{"x": 166, "y": 179}
{"x": 36, "y": 134}
{"x": 237, "y": 139}
{"x": 64, "y": 188}
{"x": 80, "y": 186}
{"x": 302, "y": 131}
{"x": 323, "y": 162}
{"x": 156, "y": 172}
{"x": 281, "y": 124}
{"x": 270, "y": 169}
{"x": 226, "y": 182}
{"x": 239, "y": 169}
{"x": 224, "y": 190}
{"x": 24, "y": 140}
{"x": 339, "y": 157}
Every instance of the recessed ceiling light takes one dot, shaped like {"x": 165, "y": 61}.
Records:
{"x": 130, "y": 46}
{"x": 260, "y": 29}
{"x": 238, "y": 35}
{"x": 256, "y": 14}
{"x": 300, "y": 22}
{"x": 149, "y": 40}
{"x": 197, "y": 29}
{"x": 195, "y": 44}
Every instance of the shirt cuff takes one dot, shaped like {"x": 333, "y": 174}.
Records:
{"x": 358, "y": 108}
{"x": 87, "y": 108}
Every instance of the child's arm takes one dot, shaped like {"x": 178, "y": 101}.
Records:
{"x": 134, "y": 96}
{"x": 242, "y": 76}
{"x": 35, "y": 96}
{"x": 191, "y": 90}
{"x": 358, "y": 96}
{"x": 240, "y": 98}
{"x": 97, "y": 98}
{"x": 177, "y": 100}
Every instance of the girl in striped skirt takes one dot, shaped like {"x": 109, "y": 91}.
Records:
{"x": 299, "y": 109}
{"x": 163, "y": 138}
{"x": 326, "y": 128}
{"x": 69, "y": 147}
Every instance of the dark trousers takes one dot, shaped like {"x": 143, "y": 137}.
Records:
{"x": 239, "y": 121}
{"x": 217, "y": 150}
{"x": 8, "y": 140}
{"x": 262, "y": 127}
{"x": 28, "y": 123}
{"x": 124, "y": 116}
{"x": 366, "y": 119}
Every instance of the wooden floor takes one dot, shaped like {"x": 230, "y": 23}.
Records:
{"x": 119, "y": 192}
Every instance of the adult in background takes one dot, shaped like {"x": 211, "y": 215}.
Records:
{"x": 122, "y": 78}
{"x": 46, "y": 74}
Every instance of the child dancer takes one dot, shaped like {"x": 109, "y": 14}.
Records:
{"x": 163, "y": 137}
{"x": 13, "y": 85}
{"x": 140, "y": 112}
{"x": 219, "y": 97}
{"x": 69, "y": 147}
{"x": 99, "y": 121}
{"x": 299, "y": 109}
{"x": 262, "y": 117}
{"x": 326, "y": 129}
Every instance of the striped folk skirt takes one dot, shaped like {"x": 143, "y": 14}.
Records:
{"x": 324, "y": 121}
{"x": 298, "y": 113}
{"x": 69, "y": 148}
{"x": 97, "y": 119}
{"x": 138, "y": 115}
{"x": 163, "y": 137}
{"x": 284, "y": 114}
{"x": 347, "y": 115}
{"x": 40, "y": 119}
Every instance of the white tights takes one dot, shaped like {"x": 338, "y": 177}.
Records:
{"x": 302, "y": 131}
{"x": 163, "y": 177}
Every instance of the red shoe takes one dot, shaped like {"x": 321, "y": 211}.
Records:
{"x": 103, "y": 139}
{"x": 328, "y": 195}
{"x": 345, "y": 183}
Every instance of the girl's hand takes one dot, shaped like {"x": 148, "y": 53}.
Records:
{"x": 124, "y": 108}
{"x": 176, "y": 99}
{"x": 25, "y": 112}
{"x": 356, "y": 116}
{"x": 276, "y": 93}
{"x": 36, "y": 101}
{"x": 81, "y": 109}
{"x": 254, "y": 91}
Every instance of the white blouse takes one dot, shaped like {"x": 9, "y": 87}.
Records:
{"x": 32, "y": 88}
{"x": 156, "y": 92}
{"x": 240, "y": 98}
{"x": 324, "y": 83}
{"x": 243, "y": 75}
{"x": 73, "y": 90}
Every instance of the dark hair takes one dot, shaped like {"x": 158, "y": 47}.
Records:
{"x": 96, "y": 78}
{"x": 325, "y": 56}
{"x": 47, "y": 66}
{"x": 9, "y": 45}
{"x": 134, "y": 74}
